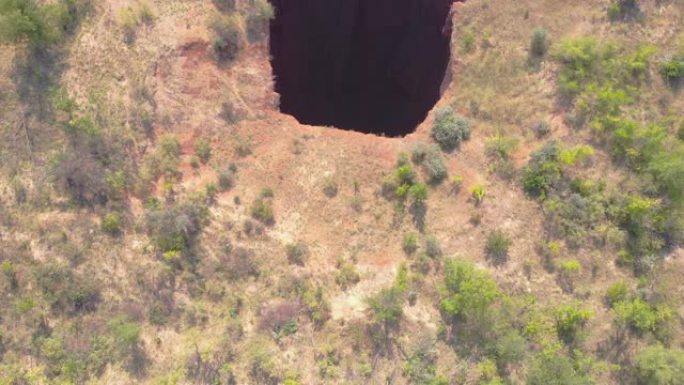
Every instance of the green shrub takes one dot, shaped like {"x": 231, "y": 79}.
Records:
{"x": 579, "y": 58}
{"x": 131, "y": 17}
{"x": 296, "y": 252}
{"x": 478, "y": 193}
{"x": 551, "y": 367}
{"x": 315, "y": 304}
{"x": 420, "y": 366}
{"x": 210, "y": 192}
{"x": 617, "y": 292}
{"x": 38, "y": 23}
{"x": 330, "y": 187}
{"x": 347, "y": 275}
{"x": 570, "y": 319}
{"x": 541, "y": 129}
{"x": 226, "y": 179}
{"x": 540, "y": 42}
{"x": 435, "y": 168}
{"x": 431, "y": 160}
{"x": 500, "y": 147}
{"x": 65, "y": 290}
{"x": 111, "y": 223}
{"x": 642, "y": 316}
{"x": 419, "y": 193}
{"x": 386, "y": 307}
{"x": 621, "y": 9}
{"x": 510, "y": 348}
{"x": 497, "y": 246}
{"x": 432, "y": 247}
{"x": 262, "y": 210}
{"x": 258, "y": 18}
{"x": 125, "y": 334}
{"x": 568, "y": 270}
{"x": 656, "y": 365}
{"x": 456, "y": 183}
{"x": 229, "y": 35}
{"x": 203, "y": 150}
{"x": 410, "y": 243}
{"x": 543, "y": 170}
{"x": 468, "y": 292}
{"x": 174, "y": 228}
{"x": 449, "y": 129}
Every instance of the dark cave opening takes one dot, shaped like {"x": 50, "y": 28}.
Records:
{"x": 374, "y": 66}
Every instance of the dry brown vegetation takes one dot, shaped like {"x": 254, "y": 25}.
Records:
{"x": 131, "y": 254}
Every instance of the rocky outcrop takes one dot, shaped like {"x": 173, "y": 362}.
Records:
{"x": 368, "y": 65}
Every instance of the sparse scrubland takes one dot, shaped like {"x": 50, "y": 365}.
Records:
{"x": 162, "y": 223}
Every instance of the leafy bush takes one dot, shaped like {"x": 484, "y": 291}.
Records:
{"x": 296, "y": 252}
{"x": 312, "y": 298}
{"x": 500, "y": 147}
{"x": 497, "y": 246}
{"x": 229, "y": 35}
{"x": 347, "y": 275}
{"x": 568, "y": 269}
{"x": 642, "y": 316}
{"x": 397, "y": 184}
{"x": 131, "y": 17}
{"x": 617, "y": 293}
{"x": 410, "y": 243}
{"x": 174, "y": 228}
{"x": 419, "y": 193}
{"x": 579, "y": 58}
{"x": 570, "y": 319}
{"x": 111, "y": 223}
{"x": 621, "y": 9}
{"x": 468, "y": 292}
{"x": 386, "y": 307}
{"x": 432, "y": 247}
{"x": 551, "y": 367}
{"x": 226, "y": 179}
{"x": 66, "y": 291}
{"x": 656, "y": 365}
{"x": 420, "y": 366}
{"x": 540, "y": 42}
{"x": 542, "y": 171}
{"x": 203, "y": 150}
{"x": 330, "y": 187}
{"x": 258, "y": 18}
{"x": 478, "y": 193}
{"x": 449, "y": 129}
{"x": 125, "y": 334}
{"x": 262, "y": 210}
{"x": 40, "y": 24}
{"x": 431, "y": 160}
{"x": 541, "y": 129}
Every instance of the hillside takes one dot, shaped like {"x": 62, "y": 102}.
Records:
{"x": 341, "y": 192}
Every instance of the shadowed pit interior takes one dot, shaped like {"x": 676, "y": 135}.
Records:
{"x": 374, "y": 66}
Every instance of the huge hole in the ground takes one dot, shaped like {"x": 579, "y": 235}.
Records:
{"x": 374, "y": 66}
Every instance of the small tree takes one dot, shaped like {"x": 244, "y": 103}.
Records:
{"x": 497, "y": 246}
{"x": 229, "y": 35}
{"x": 410, "y": 243}
{"x": 570, "y": 319}
{"x": 539, "y": 45}
{"x": 657, "y": 365}
{"x": 38, "y": 23}
{"x": 203, "y": 150}
{"x": 386, "y": 308}
{"x": 478, "y": 193}
{"x": 449, "y": 129}
{"x": 296, "y": 252}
